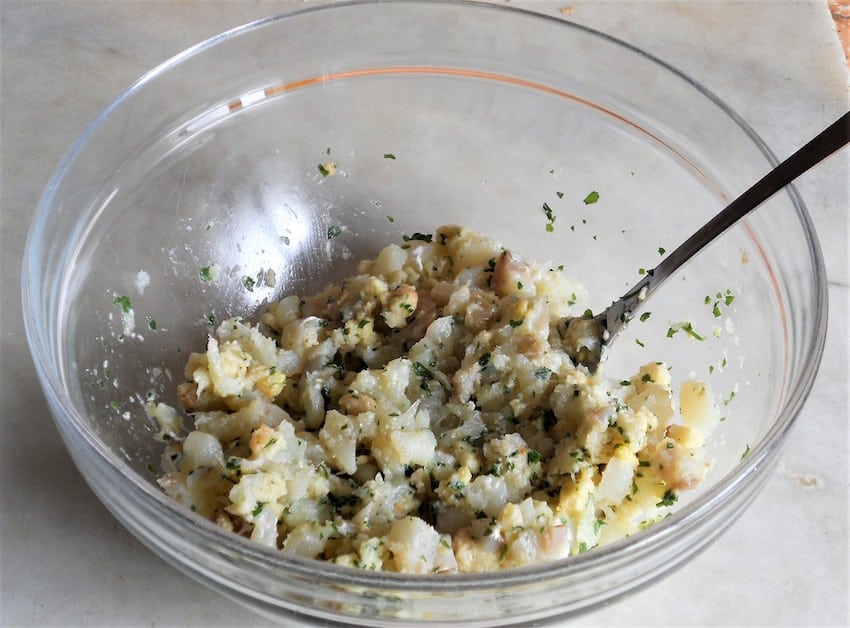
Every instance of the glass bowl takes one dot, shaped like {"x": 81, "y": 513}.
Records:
{"x": 434, "y": 112}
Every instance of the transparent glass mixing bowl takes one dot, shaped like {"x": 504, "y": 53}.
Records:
{"x": 434, "y": 113}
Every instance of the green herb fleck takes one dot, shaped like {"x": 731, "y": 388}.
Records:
{"x": 249, "y": 283}
{"x": 661, "y": 250}
{"x": 550, "y": 217}
{"x": 205, "y": 273}
{"x": 591, "y": 198}
{"x": 423, "y": 237}
{"x": 533, "y": 456}
{"x": 334, "y": 231}
{"x": 746, "y": 452}
{"x": 689, "y": 329}
{"x": 124, "y": 303}
{"x": 258, "y": 508}
{"x": 542, "y": 373}
{"x": 516, "y": 323}
{"x": 151, "y": 322}
{"x": 324, "y": 170}
{"x": 389, "y": 156}
{"x": 484, "y": 360}
{"x": 420, "y": 370}
{"x": 645, "y": 316}
{"x": 668, "y": 499}
{"x": 390, "y": 219}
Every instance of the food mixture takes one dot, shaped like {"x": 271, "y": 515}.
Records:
{"x": 425, "y": 417}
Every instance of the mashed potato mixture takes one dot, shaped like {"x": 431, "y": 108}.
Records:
{"x": 424, "y": 417}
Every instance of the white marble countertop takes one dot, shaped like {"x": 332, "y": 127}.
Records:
{"x": 66, "y": 561}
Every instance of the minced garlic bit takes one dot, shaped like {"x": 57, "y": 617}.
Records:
{"x": 423, "y": 417}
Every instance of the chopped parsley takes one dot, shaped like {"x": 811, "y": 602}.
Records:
{"x": 334, "y": 231}
{"x": 389, "y": 156}
{"x": 661, "y": 250}
{"x": 645, "y": 316}
{"x": 543, "y": 373}
{"x": 422, "y": 237}
{"x": 326, "y": 168}
{"x": 258, "y": 508}
{"x": 591, "y": 198}
{"x": 689, "y": 329}
{"x": 550, "y": 217}
{"x": 484, "y": 360}
{"x": 205, "y": 274}
{"x": 516, "y": 323}
{"x": 533, "y": 456}
{"x": 249, "y": 283}
{"x": 668, "y": 499}
{"x": 746, "y": 452}
{"x": 124, "y": 303}
{"x": 719, "y": 299}
{"x": 420, "y": 370}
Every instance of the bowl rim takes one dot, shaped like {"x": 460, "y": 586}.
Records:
{"x": 38, "y": 336}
